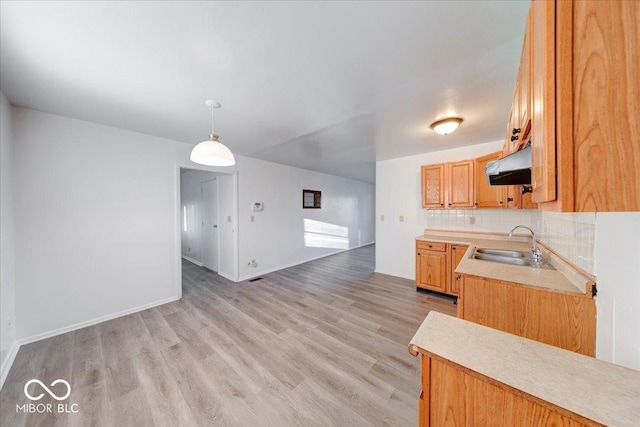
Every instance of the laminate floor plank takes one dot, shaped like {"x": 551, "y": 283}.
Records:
{"x": 319, "y": 344}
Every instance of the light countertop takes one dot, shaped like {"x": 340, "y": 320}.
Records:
{"x": 597, "y": 390}
{"x": 563, "y": 279}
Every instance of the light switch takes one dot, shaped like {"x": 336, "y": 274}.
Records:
{"x": 253, "y": 218}
{"x": 381, "y": 217}
{"x": 401, "y": 218}
{"x": 229, "y": 218}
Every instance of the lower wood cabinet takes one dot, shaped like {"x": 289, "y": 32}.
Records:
{"x": 431, "y": 266}
{"x": 435, "y": 266}
{"x": 457, "y": 253}
{"x": 564, "y": 320}
{"x": 455, "y": 396}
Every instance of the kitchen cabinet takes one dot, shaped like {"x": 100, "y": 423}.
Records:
{"x": 560, "y": 319}
{"x": 585, "y": 118}
{"x": 453, "y": 395}
{"x": 457, "y": 253}
{"x": 448, "y": 185}
{"x": 487, "y": 196}
{"x": 431, "y": 266}
{"x": 433, "y": 185}
{"x": 514, "y": 199}
{"x": 478, "y": 376}
{"x": 460, "y": 184}
{"x": 519, "y": 123}
{"x": 435, "y": 266}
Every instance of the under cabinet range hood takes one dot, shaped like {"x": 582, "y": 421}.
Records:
{"x": 514, "y": 169}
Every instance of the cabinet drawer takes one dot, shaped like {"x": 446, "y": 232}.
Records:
{"x": 432, "y": 246}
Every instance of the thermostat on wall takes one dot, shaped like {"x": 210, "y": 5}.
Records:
{"x": 257, "y": 206}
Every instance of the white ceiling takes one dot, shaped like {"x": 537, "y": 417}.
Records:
{"x": 327, "y": 86}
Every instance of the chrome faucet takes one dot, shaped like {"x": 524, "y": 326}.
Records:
{"x": 536, "y": 255}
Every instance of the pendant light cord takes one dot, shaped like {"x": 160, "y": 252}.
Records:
{"x": 212, "y": 122}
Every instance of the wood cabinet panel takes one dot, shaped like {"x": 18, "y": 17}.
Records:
{"x": 447, "y": 396}
{"x": 457, "y": 253}
{"x": 460, "y": 188}
{"x": 431, "y": 270}
{"x": 433, "y": 185}
{"x": 487, "y": 196}
{"x": 455, "y": 396}
{"x": 606, "y": 110}
{"x": 543, "y": 114}
{"x": 563, "y": 320}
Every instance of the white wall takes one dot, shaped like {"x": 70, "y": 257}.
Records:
{"x": 96, "y": 209}
{"x": 8, "y": 343}
{"x": 398, "y": 194}
{"x": 286, "y": 234}
{"x": 191, "y": 201}
{"x": 617, "y": 264}
{"x": 95, "y": 216}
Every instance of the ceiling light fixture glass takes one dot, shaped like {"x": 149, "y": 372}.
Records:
{"x": 446, "y": 126}
{"x": 212, "y": 152}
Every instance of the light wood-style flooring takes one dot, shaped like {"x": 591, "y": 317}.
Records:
{"x": 323, "y": 343}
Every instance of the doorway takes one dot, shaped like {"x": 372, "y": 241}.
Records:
{"x": 206, "y": 235}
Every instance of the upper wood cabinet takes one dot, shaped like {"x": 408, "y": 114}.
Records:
{"x": 460, "y": 188}
{"x": 519, "y": 123}
{"x": 585, "y": 76}
{"x": 487, "y": 196}
{"x": 433, "y": 186}
{"x": 448, "y": 185}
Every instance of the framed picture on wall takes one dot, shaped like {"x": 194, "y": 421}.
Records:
{"x": 311, "y": 199}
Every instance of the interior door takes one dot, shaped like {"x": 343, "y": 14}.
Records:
{"x": 210, "y": 224}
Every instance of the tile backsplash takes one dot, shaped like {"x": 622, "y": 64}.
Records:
{"x": 571, "y": 235}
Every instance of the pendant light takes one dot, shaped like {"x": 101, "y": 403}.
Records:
{"x": 212, "y": 152}
{"x": 446, "y": 126}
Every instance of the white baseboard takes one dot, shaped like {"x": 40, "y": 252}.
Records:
{"x": 193, "y": 261}
{"x": 226, "y": 276}
{"x": 8, "y": 362}
{"x": 394, "y": 274}
{"x": 74, "y": 327}
{"x": 293, "y": 264}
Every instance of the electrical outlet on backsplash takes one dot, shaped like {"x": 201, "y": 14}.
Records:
{"x": 571, "y": 235}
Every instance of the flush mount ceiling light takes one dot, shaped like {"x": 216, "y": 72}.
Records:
{"x": 446, "y": 126}
{"x": 212, "y": 152}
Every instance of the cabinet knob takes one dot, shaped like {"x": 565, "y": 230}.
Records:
{"x": 515, "y": 131}
{"x": 500, "y": 201}
{"x": 509, "y": 199}
{"x": 449, "y": 204}
{"x": 441, "y": 204}
{"x": 514, "y": 138}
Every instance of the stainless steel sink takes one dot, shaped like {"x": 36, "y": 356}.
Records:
{"x": 502, "y": 259}
{"x": 503, "y": 256}
{"x": 502, "y": 252}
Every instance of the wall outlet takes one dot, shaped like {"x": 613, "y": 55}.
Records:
{"x": 253, "y": 218}
{"x": 381, "y": 217}
{"x": 472, "y": 220}
{"x": 401, "y": 218}
{"x": 252, "y": 263}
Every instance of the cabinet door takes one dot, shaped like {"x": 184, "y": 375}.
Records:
{"x": 457, "y": 253}
{"x": 431, "y": 270}
{"x": 433, "y": 186}
{"x": 524, "y": 86}
{"x": 487, "y": 196}
{"x": 543, "y": 114}
{"x": 460, "y": 184}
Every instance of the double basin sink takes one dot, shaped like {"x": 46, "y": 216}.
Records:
{"x": 503, "y": 256}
